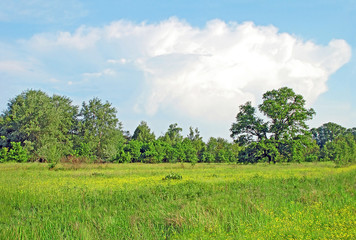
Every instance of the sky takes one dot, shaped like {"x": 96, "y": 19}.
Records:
{"x": 187, "y": 62}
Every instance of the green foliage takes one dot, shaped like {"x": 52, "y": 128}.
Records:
{"x": 134, "y": 148}
{"x": 99, "y": 129}
{"x": 283, "y": 137}
{"x": 161, "y": 149}
{"x": 336, "y": 143}
{"x": 248, "y": 126}
{"x": 125, "y": 157}
{"x": 342, "y": 150}
{"x": 171, "y": 154}
{"x": 52, "y": 165}
{"x": 196, "y": 140}
{"x": 173, "y": 176}
{"x": 149, "y": 153}
{"x": 83, "y": 150}
{"x": 4, "y": 154}
{"x": 41, "y": 128}
{"x": 250, "y": 153}
{"x": 327, "y": 132}
{"x": 287, "y": 113}
{"x": 207, "y": 156}
{"x": 43, "y": 122}
{"x": 173, "y": 135}
{"x": 17, "y": 153}
{"x": 190, "y": 152}
{"x": 220, "y": 150}
{"x": 302, "y": 148}
{"x": 143, "y": 133}
{"x": 352, "y": 131}
{"x": 49, "y": 151}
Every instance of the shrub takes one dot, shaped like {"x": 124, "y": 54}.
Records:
{"x": 3, "y": 154}
{"x": 173, "y": 176}
{"x": 16, "y": 153}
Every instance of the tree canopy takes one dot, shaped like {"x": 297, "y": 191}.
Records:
{"x": 327, "y": 132}
{"x": 39, "y": 127}
{"x": 41, "y": 123}
{"x": 276, "y": 138}
{"x": 99, "y": 128}
{"x": 143, "y": 133}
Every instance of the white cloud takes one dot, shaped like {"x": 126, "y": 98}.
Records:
{"x": 83, "y": 38}
{"x": 207, "y": 73}
{"x": 203, "y": 73}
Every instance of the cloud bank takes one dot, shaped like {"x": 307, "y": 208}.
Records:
{"x": 198, "y": 73}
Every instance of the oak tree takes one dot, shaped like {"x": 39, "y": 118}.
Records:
{"x": 287, "y": 116}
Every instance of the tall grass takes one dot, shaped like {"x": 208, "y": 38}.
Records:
{"x": 211, "y": 201}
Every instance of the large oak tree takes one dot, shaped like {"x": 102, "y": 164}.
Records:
{"x": 281, "y": 134}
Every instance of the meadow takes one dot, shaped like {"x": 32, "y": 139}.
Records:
{"x": 210, "y": 201}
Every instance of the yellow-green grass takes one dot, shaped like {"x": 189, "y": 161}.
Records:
{"x": 211, "y": 201}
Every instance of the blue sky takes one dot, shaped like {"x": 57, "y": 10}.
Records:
{"x": 190, "y": 62}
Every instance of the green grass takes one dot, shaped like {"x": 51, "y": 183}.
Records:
{"x": 211, "y": 201}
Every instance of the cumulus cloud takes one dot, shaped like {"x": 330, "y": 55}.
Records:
{"x": 202, "y": 73}
{"x": 207, "y": 73}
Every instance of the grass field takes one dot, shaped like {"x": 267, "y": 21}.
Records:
{"x": 211, "y": 201}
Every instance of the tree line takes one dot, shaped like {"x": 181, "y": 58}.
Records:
{"x": 39, "y": 127}
{"x": 285, "y": 136}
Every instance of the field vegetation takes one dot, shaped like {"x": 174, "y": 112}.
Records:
{"x": 60, "y": 176}
{"x": 177, "y": 201}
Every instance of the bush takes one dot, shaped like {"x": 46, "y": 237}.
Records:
{"x": 16, "y": 153}
{"x": 173, "y": 176}
{"x": 4, "y": 154}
